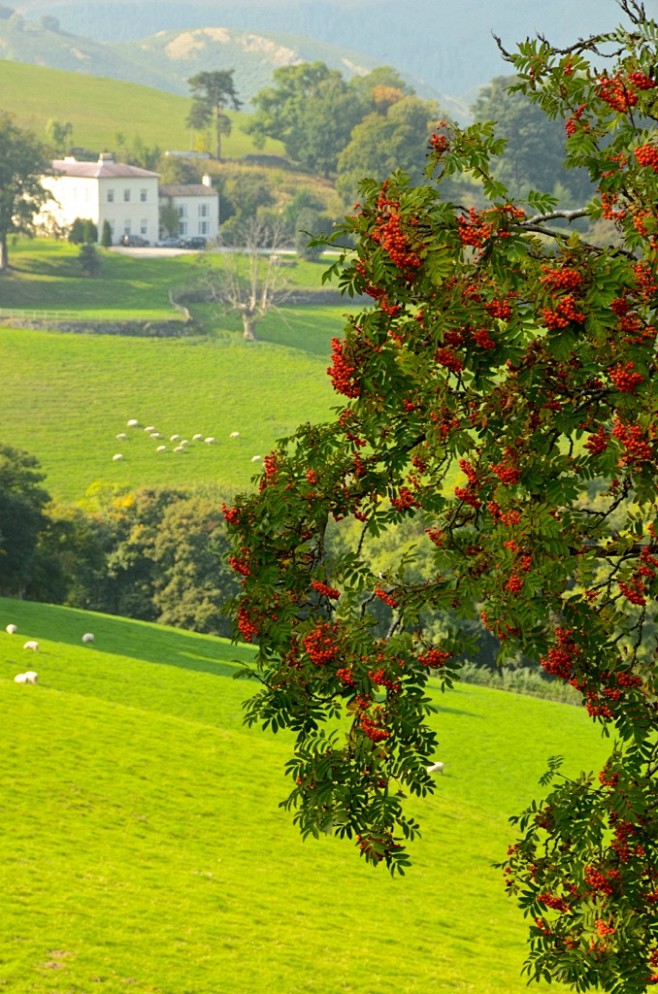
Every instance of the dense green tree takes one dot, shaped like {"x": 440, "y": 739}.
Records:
{"x": 212, "y": 93}
{"x": 60, "y": 135}
{"x": 22, "y": 163}
{"x": 106, "y": 234}
{"x": 22, "y": 518}
{"x": 507, "y": 348}
{"x": 190, "y": 553}
{"x": 383, "y": 142}
{"x": 90, "y": 263}
{"x": 535, "y": 149}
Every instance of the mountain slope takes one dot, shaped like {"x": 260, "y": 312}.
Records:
{"x": 446, "y": 44}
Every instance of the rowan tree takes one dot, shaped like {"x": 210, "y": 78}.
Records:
{"x": 501, "y": 391}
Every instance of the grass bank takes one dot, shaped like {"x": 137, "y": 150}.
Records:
{"x": 144, "y": 850}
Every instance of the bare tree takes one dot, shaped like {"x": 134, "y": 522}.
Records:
{"x": 252, "y": 281}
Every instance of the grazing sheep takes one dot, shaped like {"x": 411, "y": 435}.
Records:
{"x": 88, "y": 637}
{"x": 122, "y": 437}
{"x": 174, "y": 438}
{"x": 20, "y": 678}
{"x": 31, "y": 677}
{"x": 133, "y": 423}
{"x": 161, "y": 448}
{"x": 256, "y": 458}
{"x": 179, "y": 448}
{"x": 210, "y": 440}
{"x": 32, "y": 644}
{"x": 11, "y": 629}
{"x": 197, "y": 438}
{"x": 149, "y": 428}
{"x": 117, "y": 458}
{"x": 155, "y": 434}
{"x": 234, "y": 434}
{"x": 435, "y": 768}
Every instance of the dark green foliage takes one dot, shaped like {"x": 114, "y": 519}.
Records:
{"x": 212, "y": 93}
{"x": 106, "y": 236}
{"x": 22, "y": 163}
{"x": 88, "y": 258}
{"x": 22, "y": 518}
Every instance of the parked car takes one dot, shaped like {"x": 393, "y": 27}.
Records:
{"x": 134, "y": 241}
{"x": 172, "y": 241}
{"x": 195, "y": 242}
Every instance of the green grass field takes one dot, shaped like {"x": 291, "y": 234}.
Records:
{"x": 143, "y": 848}
{"x": 99, "y": 109}
{"x": 65, "y": 396}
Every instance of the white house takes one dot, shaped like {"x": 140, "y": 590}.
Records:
{"x": 125, "y": 196}
{"x": 197, "y": 205}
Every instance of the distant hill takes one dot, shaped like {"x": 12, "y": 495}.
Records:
{"x": 167, "y": 59}
{"x": 448, "y": 45}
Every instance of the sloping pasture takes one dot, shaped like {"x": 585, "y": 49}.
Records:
{"x": 143, "y": 848}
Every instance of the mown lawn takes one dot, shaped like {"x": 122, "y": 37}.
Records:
{"x": 143, "y": 848}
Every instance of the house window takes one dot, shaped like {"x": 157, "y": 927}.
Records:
{"x": 142, "y": 196}
{"x": 203, "y": 227}
{"x": 143, "y": 227}
{"x": 182, "y": 227}
{"x": 126, "y": 227}
{"x": 126, "y": 195}
{"x": 204, "y": 210}
{"x": 182, "y": 210}
{"x": 110, "y": 196}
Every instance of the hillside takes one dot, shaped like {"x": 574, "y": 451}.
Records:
{"x": 449, "y": 46}
{"x": 144, "y": 850}
{"x": 100, "y": 109}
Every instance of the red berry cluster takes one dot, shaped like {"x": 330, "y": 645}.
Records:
{"x": 625, "y": 379}
{"x": 246, "y": 625}
{"x": 506, "y": 473}
{"x": 231, "y": 514}
{"x": 385, "y": 597}
{"x": 342, "y": 372}
{"x": 320, "y": 644}
{"x": 613, "y": 90}
{"x": 473, "y": 229}
{"x": 405, "y": 500}
{"x": 373, "y": 726}
{"x": 325, "y": 589}
{"x": 634, "y": 442}
{"x": 641, "y": 81}
{"x": 556, "y": 903}
{"x": 447, "y": 358}
{"x": 560, "y": 659}
{"x": 240, "y": 566}
{"x": 439, "y": 144}
{"x": 647, "y": 155}
{"x": 601, "y": 881}
{"x": 389, "y": 234}
{"x": 564, "y": 278}
{"x": 482, "y": 338}
{"x": 598, "y": 441}
{"x": 565, "y": 312}
{"x": 434, "y": 659}
{"x": 499, "y": 309}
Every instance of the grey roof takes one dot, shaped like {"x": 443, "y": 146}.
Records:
{"x": 103, "y": 169}
{"x": 187, "y": 190}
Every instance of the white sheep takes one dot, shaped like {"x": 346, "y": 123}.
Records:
{"x": 155, "y": 434}
{"x": 20, "y": 678}
{"x": 174, "y": 438}
{"x": 118, "y": 457}
{"x": 31, "y": 677}
{"x": 435, "y": 768}
{"x": 133, "y": 423}
{"x": 234, "y": 434}
{"x": 88, "y": 637}
{"x": 32, "y": 644}
{"x": 11, "y": 629}
{"x": 256, "y": 458}
{"x": 179, "y": 448}
{"x": 149, "y": 428}
{"x": 122, "y": 437}
{"x": 197, "y": 438}
{"x": 161, "y": 448}
{"x": 210, "y": 440}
